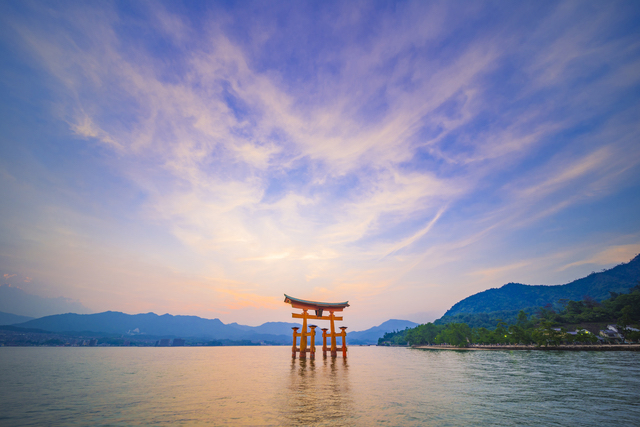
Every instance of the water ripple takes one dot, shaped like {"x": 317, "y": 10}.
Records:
{"x": 264, "y": 386}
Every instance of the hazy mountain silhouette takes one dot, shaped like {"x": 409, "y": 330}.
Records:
{"x": 151, "y": 324}
{"x": 17, "y": 301}
{"x": 371, "y": 335}
{"x": 11, "y": 319}
{"x": 516, "y": 296}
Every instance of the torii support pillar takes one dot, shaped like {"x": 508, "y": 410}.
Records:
{"x": 295, "y": 342}
{"x": 343, "y": 334}
{"x": 324, "y": 342}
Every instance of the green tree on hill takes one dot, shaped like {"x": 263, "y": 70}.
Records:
{"x": 423, "y": 334}
{"x": 458, "y": 334}
{"x": 483, "y": 336}
{"x": 501, "y": 333}
{"x": 545, "y": 334}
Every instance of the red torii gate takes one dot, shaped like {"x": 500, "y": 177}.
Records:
{"x": 318, "y": 308}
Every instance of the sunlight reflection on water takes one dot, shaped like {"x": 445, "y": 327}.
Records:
{"x": 318, "y": 393}
{"x": 264, "y": 386}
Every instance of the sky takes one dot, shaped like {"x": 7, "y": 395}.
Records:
{"x": 204, "y": 158}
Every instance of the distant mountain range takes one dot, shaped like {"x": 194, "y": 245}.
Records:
{"x": 166, "y": 325}
{"x": 153, "y": 325}
{"x": 12, "y": 319}
{"x": 371, "y": 335}
{"x": 516, "y": 296}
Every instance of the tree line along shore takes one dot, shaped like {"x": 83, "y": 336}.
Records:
{"x": 613, "y": 324}
{"x": 565, "y": 347}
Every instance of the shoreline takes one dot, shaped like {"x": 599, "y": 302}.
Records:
{"x": 596, "y": 347}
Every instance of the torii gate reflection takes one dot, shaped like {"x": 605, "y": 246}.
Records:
{"x": 318, "y": 307}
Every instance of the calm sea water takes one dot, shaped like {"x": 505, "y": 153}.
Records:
{"x": 263, "y": 386}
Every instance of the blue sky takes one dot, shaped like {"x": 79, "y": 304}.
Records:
{"x": 205, "y": 158}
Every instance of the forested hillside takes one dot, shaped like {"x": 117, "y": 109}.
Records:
{"x": 515, "y": 296}
{"x": 575, "y": 322}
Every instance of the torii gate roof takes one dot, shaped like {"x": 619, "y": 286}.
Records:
{"x": 315, "y": 305}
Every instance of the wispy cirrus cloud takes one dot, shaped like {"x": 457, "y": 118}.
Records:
{"x": 611, "y": 255}
{"x": 354, "y": 150}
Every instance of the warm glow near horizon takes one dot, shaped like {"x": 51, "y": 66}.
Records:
{"x": 206, "y": 158}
